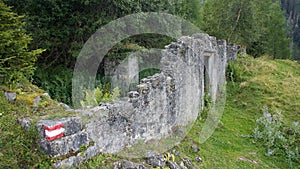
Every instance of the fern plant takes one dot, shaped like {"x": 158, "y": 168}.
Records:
{"x": 93, "y": 98}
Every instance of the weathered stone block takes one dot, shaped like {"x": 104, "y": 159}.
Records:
{"x": 64, "y": 145}
{"x": 71, "y": 125}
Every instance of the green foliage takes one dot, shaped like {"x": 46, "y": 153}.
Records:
{"x": 207, "y": 106}
{"x": 147, "y": 72}
{"x": 17, "y": 62}
{"x": 62, "y": 27}
{"x": 57, "y": 82}
{"x": 230, "y": 20}
{"x": 18, "y": 148}
{"x": 236, "y": 71}
{"x": 100, "y": 94}
{"x": 104, "y": 161}
{"x": 259, "y": 26}
{"x": 277, "y": 139}
{"x": 272, "y": 30}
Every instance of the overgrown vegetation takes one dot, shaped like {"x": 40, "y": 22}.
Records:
{"x": 17, "y": 61}
{"x": 278, "y": 139}
{"x": 57, "y": 82}
{"x": 18, "y": 147}
{"x": 100, "y": 94}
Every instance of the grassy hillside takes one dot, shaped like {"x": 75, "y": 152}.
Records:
{"x": 255, "y": 83}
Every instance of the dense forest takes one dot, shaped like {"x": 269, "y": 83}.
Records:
{"x": 292, "y": 12}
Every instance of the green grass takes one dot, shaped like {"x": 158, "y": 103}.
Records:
{"x": 256, "y": 83}
{"x": 18, "y": 148}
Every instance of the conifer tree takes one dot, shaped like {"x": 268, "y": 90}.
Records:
{"x": 17, "y": 61}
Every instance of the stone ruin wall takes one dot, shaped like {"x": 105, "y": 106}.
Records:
{"x": 161, "y": 103}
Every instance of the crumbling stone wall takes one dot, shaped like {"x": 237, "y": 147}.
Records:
{"x": 162, "y": 104}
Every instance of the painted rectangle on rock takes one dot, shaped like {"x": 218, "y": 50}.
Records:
{"x": 54, "y": 132}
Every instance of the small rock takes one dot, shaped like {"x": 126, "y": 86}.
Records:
{"x": 143, "y": 88}
{"x": 173, "y": 165}
{"x": 46, "y": 95}
{"x": 65, "y": 106}
{"x": 36, "y": 100}
{"x": 128, "y": 165}
{"x": 24, "y": 122}
{"x": 133, "y": 94}
{"x": 195, "y": 148}
{"x": 156, "y": 161}
{"x": 182, "y": 165}
{"x": 188, "y": 163}
{"x": 177, "y": 153}
{"x": 198, "y": 159}
{"x": 242, "y": 158}
{"x": 70, "y": 162}
{"x": 10, "y": 96}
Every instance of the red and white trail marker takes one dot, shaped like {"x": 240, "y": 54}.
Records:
{"x": 54, "y": 132}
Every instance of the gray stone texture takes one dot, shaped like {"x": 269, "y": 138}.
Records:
{"x": 65, "y": 145}
{"x": 10, "y": 96}
{"x": 24, "y": 122}
{"x": 128, "y": 165}
{"x": 36, "y": 100}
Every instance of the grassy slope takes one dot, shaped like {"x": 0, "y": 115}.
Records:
{"x": 18, "y": 148}
{"x": 258, "y": 83}
{"x": 272, "y": 83}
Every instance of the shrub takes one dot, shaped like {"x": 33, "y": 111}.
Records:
{"x": 278, "y": 139}
{"x": 100, "y": 94}
{"x": 57, "y": 81}
{"x": 17, "y": 62}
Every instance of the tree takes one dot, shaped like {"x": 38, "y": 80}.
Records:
{"x": 228, "y": 19}
{"x": 16, "y": 60}
{"x": 272, "y": 30}
{"x": 277, "y": 43}
{"x": 62, "y": 27}
{"x": 258, "y": 25}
